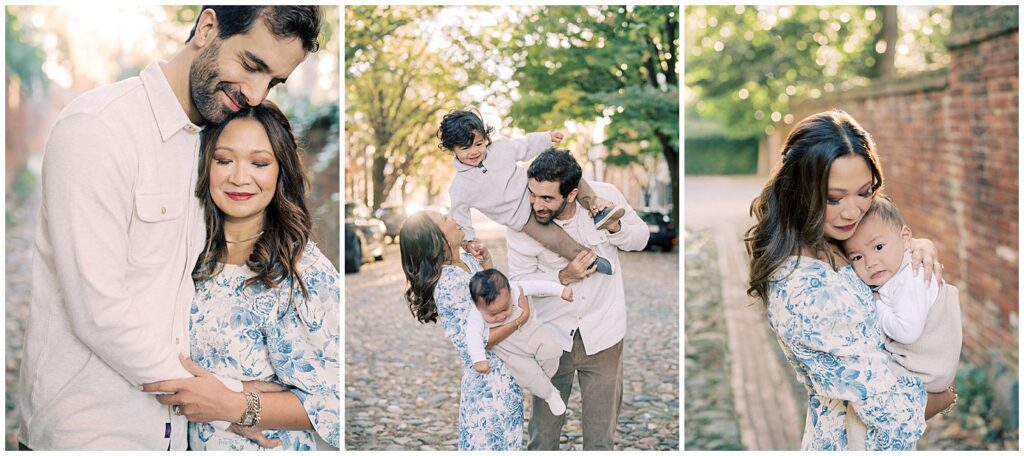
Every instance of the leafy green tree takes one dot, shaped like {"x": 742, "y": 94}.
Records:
{"x": 745, "y": 65}
{"x": 23, "y": 57}
{"x": 397, "y": 88}
{"x": 587, "y": 62}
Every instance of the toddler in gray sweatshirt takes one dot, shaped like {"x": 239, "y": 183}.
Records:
{"x": 488, "y": 179}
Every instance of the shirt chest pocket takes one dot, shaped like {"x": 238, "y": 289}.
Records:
{"x": 156, "y": 228}
{"x": 592, "y": 239}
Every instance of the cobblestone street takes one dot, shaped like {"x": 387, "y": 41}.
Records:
{"x": 402, "y": 378}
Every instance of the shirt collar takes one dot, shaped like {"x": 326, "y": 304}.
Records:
{"x": 170, "y": 116}
{"x": 462, "y": 167}
{"x": 571, "y": 220}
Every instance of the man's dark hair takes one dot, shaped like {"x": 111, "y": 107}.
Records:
{"x": 301, "y": 21}
{"x": 486, "y": 285}
{"x": 457, "y": 128}
{"x": 556, "y": 165}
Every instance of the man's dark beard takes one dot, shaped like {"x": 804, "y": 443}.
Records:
{"x": 203, "y": 88}
{"x": 554, "y": 214}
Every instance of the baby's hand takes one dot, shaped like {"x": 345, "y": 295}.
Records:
{"x": 482, "y": 367}
{"x": 567, "y": 294}
{"x": 557, "y": 136}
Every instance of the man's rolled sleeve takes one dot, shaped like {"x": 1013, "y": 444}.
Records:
{"x": 88, "y": 192}
{"x": 634, "y": 233}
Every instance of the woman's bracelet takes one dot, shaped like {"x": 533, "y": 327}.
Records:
{"x": 956, "y": 397}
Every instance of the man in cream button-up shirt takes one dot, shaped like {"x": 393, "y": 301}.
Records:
{"x": 591, "y": 328}
{"x": 118, "y": 233}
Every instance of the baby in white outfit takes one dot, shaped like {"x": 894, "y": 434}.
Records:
{"x": 530, "y": 353}
{"x": 921, "y": 320}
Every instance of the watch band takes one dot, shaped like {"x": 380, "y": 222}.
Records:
{"x": 251, "y": 415}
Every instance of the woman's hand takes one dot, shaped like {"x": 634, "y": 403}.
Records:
{"x": 202, "y": 398}
{"x": 937, "y": 402}
{"x": 924, "y": 253}
{"x": 254, "y": 433}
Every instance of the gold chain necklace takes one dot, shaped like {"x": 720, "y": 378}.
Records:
{"x": 245, "y": 240}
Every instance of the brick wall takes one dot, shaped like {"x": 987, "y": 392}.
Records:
{"x": 948, "y": 142}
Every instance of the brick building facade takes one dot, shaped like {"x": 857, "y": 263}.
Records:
{"x": 948, "y": 142}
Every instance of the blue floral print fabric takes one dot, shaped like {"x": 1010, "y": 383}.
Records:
{"x": 491, "y": 407}
{"x": 826, "y": 323}
{"x": 275, "y": 335}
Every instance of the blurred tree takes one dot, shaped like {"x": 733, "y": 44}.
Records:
{"x": 587, "y": 62}
{"x": 24, "y": 59}
{"x": 745, "y": 64}
{"x": 397, "y": 88}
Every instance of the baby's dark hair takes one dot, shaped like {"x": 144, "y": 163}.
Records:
{"x": 486, "y": 285}
{"x": 886, "y": 211}
{"x": 457, "y": 128}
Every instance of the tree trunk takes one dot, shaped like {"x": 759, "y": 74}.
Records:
{"x": 672, "y": 158}
{"x": 890, "y": 33}
{"x": 379, "y": 162}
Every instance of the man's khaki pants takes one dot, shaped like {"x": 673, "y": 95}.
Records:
{"x": 601, "y": 387}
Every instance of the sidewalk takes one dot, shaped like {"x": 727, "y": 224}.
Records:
{"x": 768, "y": 400}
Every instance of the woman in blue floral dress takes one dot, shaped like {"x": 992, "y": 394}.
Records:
{"x": 266, "y": 308}
{"x": 491, "y": 406}
{"x": 822, "y": 313}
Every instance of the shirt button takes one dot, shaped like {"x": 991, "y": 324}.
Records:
{"x": 163, "y": 209}
{"x": 177, "y": 341}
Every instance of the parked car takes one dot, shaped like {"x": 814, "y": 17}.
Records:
{"x": 662, "y": 233}
{"x": 393, "y": 215}
{"x": 364, "y": 237}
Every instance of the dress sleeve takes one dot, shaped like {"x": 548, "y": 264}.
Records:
{"x": 303, "y": 342}
{"x": 453, "y": 301}
{"x": 831, "y": 337}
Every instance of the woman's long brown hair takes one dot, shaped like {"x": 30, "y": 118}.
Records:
{"x": 425, "y": 251}
{"x": 790, "y": 211}
{"x": 287, "y": 224}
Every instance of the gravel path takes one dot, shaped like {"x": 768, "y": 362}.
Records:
{"x": 402, "y": 378}
{"x": 712, "y": 422}
{"x": 20, "y": 226}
